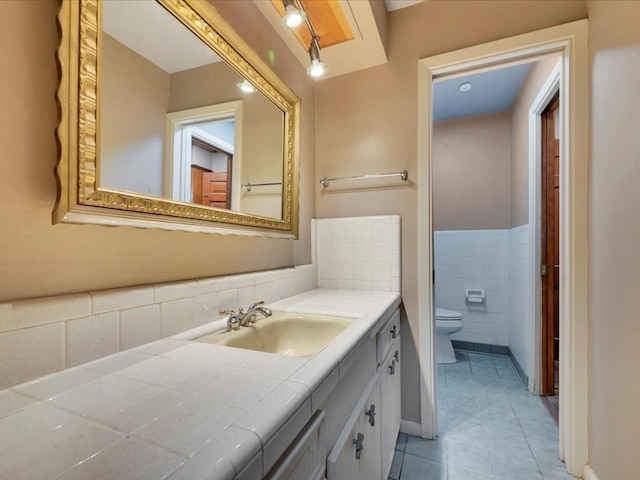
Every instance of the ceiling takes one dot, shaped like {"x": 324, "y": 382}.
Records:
{"x": 398, "y": 4}
{"x": 162, "y": 40}
{"x": 328, "y": 19}
{"x": 491, "y": 91}
{"x": 365, "y": 48}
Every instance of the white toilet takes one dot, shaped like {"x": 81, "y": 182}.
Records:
{"x": 447, "y": 322}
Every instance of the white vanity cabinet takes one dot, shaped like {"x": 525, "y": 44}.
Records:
{"x": 389, "y": 383}
{"x": 365, "y": 446}
{"x": 304, "y": 459}
{"x": 356, "y": 453}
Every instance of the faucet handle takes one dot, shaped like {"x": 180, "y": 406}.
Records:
{"x": 228, "y": 312}
{"x": 254, "y": 305}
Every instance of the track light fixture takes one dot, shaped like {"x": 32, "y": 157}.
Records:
{"x": 293, "y": 16}
{"x": 317, "y": 67}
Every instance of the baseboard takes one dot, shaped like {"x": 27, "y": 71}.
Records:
{"x": 589, "y": 474}
{"x": 523, "y": 376}
{"x": 410, "y": 428}
{"x": 493, "y": 350}
{"x": 480, "y": 347}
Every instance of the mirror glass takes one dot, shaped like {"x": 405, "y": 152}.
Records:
{"x": 175, "y": 121}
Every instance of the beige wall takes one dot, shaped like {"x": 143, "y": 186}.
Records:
{"x": 133, "y": 114}
{"x": 38, "y": 258}
{"x": 472, "y": 172}
{"x": 366, "y": 123}
{"x": 614, "y": 236}
{"x": 532, "y": 85}
{"x": 260, "y": 155}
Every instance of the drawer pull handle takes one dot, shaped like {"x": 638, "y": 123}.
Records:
{"x": 397, "y": 356}
{"x": 394, "y": 332}
{"x": 371, "y": 413}
{"x": 392, "y": 367}
{"x": 359, "y": 446}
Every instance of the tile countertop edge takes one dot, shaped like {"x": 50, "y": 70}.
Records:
{"x": 370, "y": 310}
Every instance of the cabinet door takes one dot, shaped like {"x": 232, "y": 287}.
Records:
{"x": 370, "y": 466}
{"x": 356, "y": 453}
{"x": 389, "y": 380}
{"x": 304, "y": 459}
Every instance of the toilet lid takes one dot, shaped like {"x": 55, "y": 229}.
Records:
{"x": 444, "y": 314}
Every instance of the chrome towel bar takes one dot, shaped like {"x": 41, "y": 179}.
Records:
{"x": 249, "y": 186}
{"x": 404, "y": 176}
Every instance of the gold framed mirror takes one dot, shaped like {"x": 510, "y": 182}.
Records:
{"x": 156, "y": 129}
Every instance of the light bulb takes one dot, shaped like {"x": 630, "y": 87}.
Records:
{"x": 246, "y": 87}
{"x": 317, "y": 68}
{"x": 293, "y": 16}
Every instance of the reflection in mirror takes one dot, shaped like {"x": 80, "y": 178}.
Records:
{"x": 174, "y": 122}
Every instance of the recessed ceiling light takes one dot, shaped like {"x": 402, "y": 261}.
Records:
{"x": 246, "y": 87}
{"x": 465, "y": 87}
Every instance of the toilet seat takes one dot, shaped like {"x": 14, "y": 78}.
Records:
{"x": 445, "y": 315}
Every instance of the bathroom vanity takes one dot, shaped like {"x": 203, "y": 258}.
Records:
{"x": 184, "y": 409}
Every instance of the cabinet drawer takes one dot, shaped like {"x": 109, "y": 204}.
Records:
{"x": 304, "y": 459}
{"x": 387, "y": 335}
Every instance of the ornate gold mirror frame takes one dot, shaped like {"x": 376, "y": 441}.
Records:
{"x": 81, "y": 199}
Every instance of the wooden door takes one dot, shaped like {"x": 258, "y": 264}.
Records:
{"x": 550, "y": 250}
{"x": 215, "y": 191}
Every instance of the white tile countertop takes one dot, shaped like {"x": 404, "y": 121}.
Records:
{"x": 180, "y": 409}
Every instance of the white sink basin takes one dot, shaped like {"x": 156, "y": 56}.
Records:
{"x": 290, "y": 334}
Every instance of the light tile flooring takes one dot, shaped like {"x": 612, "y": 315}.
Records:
{"x": 490, "y": 428}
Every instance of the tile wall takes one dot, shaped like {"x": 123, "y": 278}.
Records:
{"x": 520, "y": 276}
{"x": 477, "y": 259}
{"x": 357, "y": 253}
{"x": 498, "y": 262}
{"x": 44, "y": 335}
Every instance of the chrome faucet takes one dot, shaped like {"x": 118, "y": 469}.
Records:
{"x": 241, "y": 318}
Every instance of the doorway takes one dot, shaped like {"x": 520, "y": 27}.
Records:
{"x": 211, "y": 172}
{"x": 571, "y": 42}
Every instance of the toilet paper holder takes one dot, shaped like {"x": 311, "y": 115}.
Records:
{"x": 473, "y": 295}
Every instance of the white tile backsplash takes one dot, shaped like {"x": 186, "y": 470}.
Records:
{"x": 31, "y": 352}
{"x": 92, "y": 337}
{"x": 45, "y": 335}
{"x": 139, "y": 326}
{"x": 358, "y": 253}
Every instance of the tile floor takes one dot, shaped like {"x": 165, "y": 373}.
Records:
{"x": 490, "y": 427}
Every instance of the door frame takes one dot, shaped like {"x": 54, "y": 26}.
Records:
{"x": 178, "y": 132}
{"x": 570, "y": 40}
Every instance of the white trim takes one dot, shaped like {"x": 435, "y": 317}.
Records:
{"x": 589, "y": 474}
{"x": 410, "y": 428}
{"x": 546, "y": 93}
{"x": 179, "y": 129}
{"x": 426, "y": 304}
{"x": 571, "y": 41}
{"x": 197, "y": 132}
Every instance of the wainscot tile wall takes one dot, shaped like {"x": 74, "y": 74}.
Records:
{"x": 357, "y": 253}
{"x": 45, "y": 335}
{"x": 477, "y": 259}
{"x": 521, "y": 329}
{"x": 496, "y": 261}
